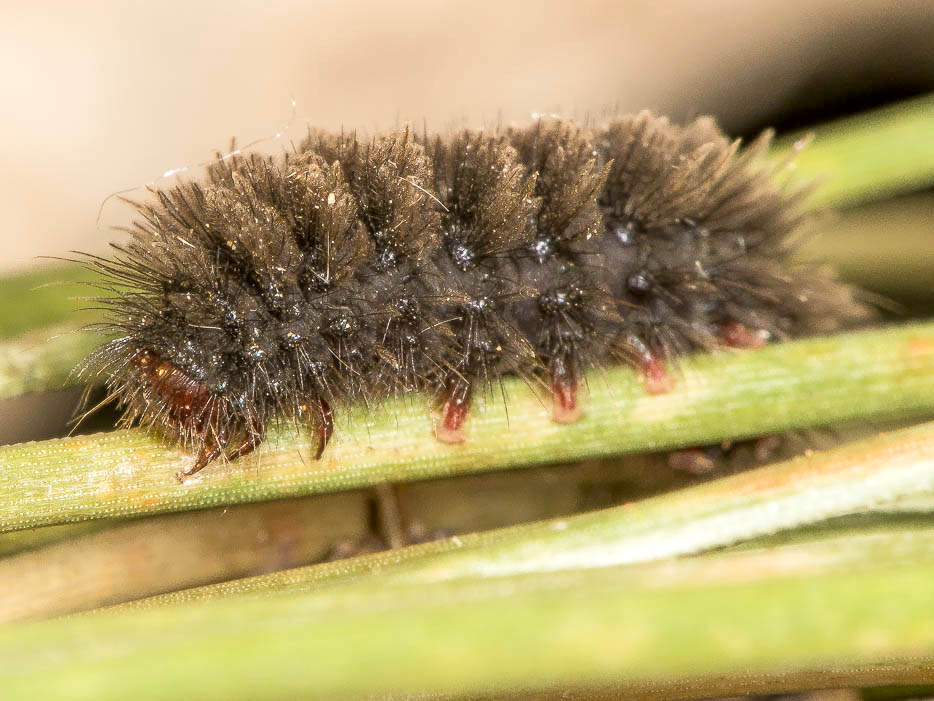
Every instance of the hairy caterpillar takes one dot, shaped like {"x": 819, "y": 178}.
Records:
{"x": 351, "y": 269}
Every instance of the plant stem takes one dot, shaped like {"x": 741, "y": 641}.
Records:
{"x": 165, "y": 553}
{"x": 869, "y": 156}
{"x": 880, "y": 374}
{"x": 43, "y": 360}
{"x": 47, "y": 296}
{"x": 858, "y": 478}
{"x": 778, "y": 619}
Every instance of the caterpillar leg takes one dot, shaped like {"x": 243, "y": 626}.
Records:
{"x": 738, "y": 335}
{"x": 455, "y": 406}
{"x": 214, "y": 442}
{"x": 210, "y": 450}
{"x": 657, "y": 378}
{"x": 324, "y": 427}
{"x": 213, "y": 432}
{"x": 255, "y": 436}
{"x": 189, "y": 407}
{"x": 565, "y": 409}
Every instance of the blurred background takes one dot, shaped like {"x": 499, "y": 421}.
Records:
{"x": 97, "y": 97}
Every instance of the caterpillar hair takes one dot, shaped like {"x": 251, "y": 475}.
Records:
{"x": 351, "y": 269}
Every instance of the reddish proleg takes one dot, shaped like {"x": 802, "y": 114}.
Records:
{"x": 455, "y": 407}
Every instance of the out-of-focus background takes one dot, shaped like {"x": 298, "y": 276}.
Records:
{"x": 98, "y": 97}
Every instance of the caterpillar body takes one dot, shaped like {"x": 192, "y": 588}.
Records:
{"x": 352, "y": 269}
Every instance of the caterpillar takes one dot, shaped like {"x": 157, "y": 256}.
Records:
{"x": 351, "y": 269}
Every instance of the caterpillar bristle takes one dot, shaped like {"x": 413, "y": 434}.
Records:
{"x": 352, "y": 269}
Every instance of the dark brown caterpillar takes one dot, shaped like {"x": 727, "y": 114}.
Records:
{"x": 353, "y": 269}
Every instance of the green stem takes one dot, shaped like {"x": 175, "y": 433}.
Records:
{"x": 48, "y": 296}
{"x": 170, "y": 552}
{"x": 857, "y": 478}
{"x": 881, "y": 374}
{"x": 43, "y": 360}
{"x": 778, "y": 619}
{"x": 869, "y": 156}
